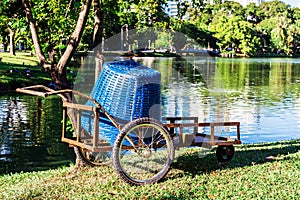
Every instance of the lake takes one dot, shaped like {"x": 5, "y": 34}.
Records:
{"x": 261, "y": 93}
{"x": 30, "y": 131}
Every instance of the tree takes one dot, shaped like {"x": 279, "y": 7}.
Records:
{"x": 229, "y": 8}
{"x": 196, "y": 8}
{"x": 149, "y": 13}
{"x": 12, "y": 19}
{"x": 295, "y": 12}
{"x": 275, "y": 8}
{"x": 249, "y": 42}
{"x": 98, "y": 35}
{"x": 293, "y": 38}
{"x": 200, "y": 35}
{"x": 236, "y": 33}
{"x": 279, "y": 34}
{"x": 57, "y": 70}
{"x": 251, "y": 13}
{"x": 264, "y": 28}
{"x": 55, "y": 22}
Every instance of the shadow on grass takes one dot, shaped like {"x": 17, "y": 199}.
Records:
{"x": 5, "y": 67}
{"x": 15, "y": 76}
{"x": 245, "y": 155}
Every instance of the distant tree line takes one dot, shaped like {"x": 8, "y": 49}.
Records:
{"x": 271, "y": 27}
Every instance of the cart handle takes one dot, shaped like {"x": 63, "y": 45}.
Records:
{"x": 33, "y": 91}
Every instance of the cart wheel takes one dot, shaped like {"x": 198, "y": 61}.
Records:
{"x": 92, "y": 159}
{"x": 143, "y": 152}
{"x": 225, "y": 153}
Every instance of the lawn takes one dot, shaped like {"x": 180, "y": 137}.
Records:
{"x": 261, "y": 171}
{"x": 13, "y": 71}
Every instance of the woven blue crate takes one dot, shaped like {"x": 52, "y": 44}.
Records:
{"x": 127, "y": 90}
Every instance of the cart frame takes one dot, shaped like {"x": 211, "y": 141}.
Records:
{"x": 171, "y": 140}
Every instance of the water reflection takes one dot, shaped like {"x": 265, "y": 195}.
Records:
{"x": 263, "y": 94}
{"x": 30, "y": 131}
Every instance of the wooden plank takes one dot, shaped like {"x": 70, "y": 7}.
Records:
{"x": 238, "y": 132}
{"x": 64, "y": 128}
{"x": 36, "y": 90}
{"x": 73, "y": 142}
{"x": 79, "y": 106}
{"x": 177, "y": 125}
{"x": 100, "y": 148}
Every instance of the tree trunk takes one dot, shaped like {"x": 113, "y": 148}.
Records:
{"x": 35, "y": 37}
{"x": 98, "y": 23}
{"x": 97, "y": 37}
{"x": 12, "y": 41}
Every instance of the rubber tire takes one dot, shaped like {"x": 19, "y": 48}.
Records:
{"x": 225, "y": 153}
{"x": 80, "y": 155}
{"x": 121, "y": 138}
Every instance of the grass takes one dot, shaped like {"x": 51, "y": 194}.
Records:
{"x": 262, "y": 171}
{"x": 19, "y": 64}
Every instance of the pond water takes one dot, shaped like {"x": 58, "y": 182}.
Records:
{"x": 261, "y": 93}
{"x": 30, "y": 131}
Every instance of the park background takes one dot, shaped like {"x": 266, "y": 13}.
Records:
{"x": 250, "y": 175}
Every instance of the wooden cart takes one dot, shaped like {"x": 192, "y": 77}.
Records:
{"x": 144, "y": 149}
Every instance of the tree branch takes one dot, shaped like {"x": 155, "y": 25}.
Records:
{"x": 76, "y": 36}
{"x": 32, "y": 25}
{"x": 98, "y": 23}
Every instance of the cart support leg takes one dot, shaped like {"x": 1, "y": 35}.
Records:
{"x": 78, "y": 125}
{"x": 64, "y": 122}
{"x": 212, "y": 135}
{"x": 238, "y": 132}
{"x": 96, "y": 128}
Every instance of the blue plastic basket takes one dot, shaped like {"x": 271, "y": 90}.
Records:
{"x": 127, "y": 90}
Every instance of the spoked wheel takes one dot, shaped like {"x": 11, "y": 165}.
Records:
{"x": 225, "y": 153}
{"x": 89, "y": 158}
{"x": 143, "y": 152}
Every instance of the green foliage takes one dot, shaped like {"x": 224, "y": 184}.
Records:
{"x": 295, "y": 14}
{"x": 293, "y": 38}
{"x": 279, "y": 34}
{"x": 236, "y": 33}
{"x": 248, "y": 29}
{"x": 12, "y": 19}
{"x": 149, "y": 12}
{"x": 69, "y": 128}
{"x": 274, "y": 8}
{"x": 56, "y": 21}
{"x": 267, "y": 25}
{"x": 231, "y": 8}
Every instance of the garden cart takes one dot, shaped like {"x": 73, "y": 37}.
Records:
{"x": 141, "y": 149}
